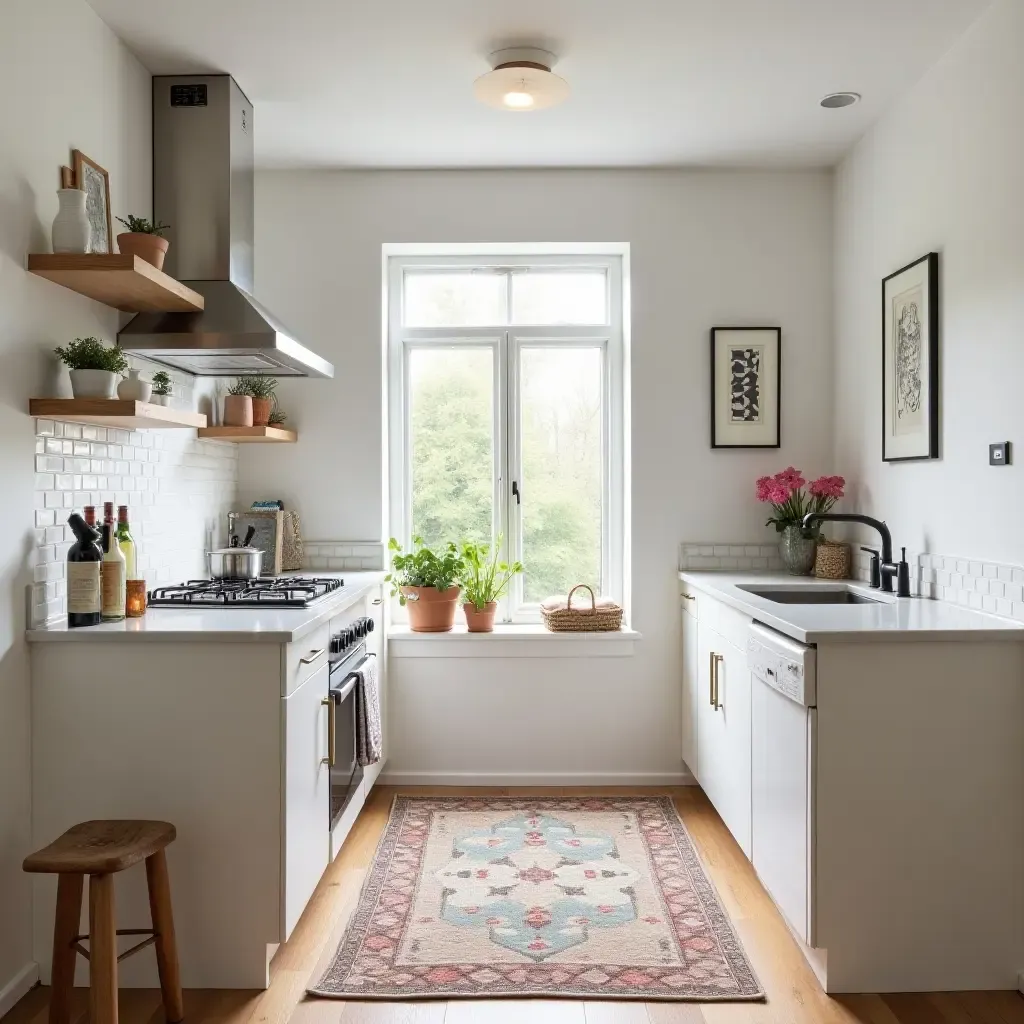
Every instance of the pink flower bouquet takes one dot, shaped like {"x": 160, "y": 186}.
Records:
{"x": 785, "y": 493}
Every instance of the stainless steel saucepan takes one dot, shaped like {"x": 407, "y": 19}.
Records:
{"x": 239, "y": 563}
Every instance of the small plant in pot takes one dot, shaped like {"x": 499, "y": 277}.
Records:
{"x": 427, "y": 583}
{"x": 144, "y": 239}
{"x": 278, "y": 416}
{"x": 484, "y": 579}
{"x": 238, "y": 405}
{"x": 260, "y": 388}
{"x": 162, "y": 388}
{"x": 95, "y": 367}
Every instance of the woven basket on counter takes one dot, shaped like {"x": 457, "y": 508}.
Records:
{"x": 603, "y": 615}
{"x": 832, "y": 560}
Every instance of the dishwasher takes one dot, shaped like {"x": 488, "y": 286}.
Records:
{"x": 783, "y": 735}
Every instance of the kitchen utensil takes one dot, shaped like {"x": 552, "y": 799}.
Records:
{"x": 248, "y": 536}
{"x": 235, "y": 563}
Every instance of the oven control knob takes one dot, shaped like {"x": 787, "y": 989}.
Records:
{"x": 360, "y": 628}
{"x": 369, "y": 625}
{"x": 336, "y": 644}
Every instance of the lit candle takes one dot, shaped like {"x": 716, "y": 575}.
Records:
{"x": 136, "y": 600}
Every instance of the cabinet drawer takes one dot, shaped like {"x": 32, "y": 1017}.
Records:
{"x": 731, "y": 624}
{"x": 305, "y": 656}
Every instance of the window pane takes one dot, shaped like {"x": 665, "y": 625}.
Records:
{"x": 551, "y": 297}
{"x": 561, "y": 457}
{"x": 451, "y": 435}
{"x": 455, "y": 299}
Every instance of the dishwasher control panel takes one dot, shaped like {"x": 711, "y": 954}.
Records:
{"x": 782, "y": 664}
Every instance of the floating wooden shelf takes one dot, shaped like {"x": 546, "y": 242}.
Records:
{"x": 113, "y": 412}
{"x": 250, "y": 435}
{"x": 119, "y": 280}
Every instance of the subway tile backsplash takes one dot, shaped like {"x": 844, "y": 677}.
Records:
{"x": 729, "y": 557}
{"x": 178, "y": 490}
{"x": 328, "y": 555}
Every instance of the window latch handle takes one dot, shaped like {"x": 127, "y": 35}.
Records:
{"x": 515, "y": 492}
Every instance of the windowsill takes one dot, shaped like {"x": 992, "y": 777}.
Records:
{"x": 510, "y": 641}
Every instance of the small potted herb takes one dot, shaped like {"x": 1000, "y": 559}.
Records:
{"x": 260, "y": 387}
{"x": 162, "y": 388}
{"x": 94, "y": 367}
{"x": 143, "y": 239}
{"x": 238, "y": 405}
{"x": 277, "y": 415}
{"x": 427, "y": 582}
{"x": 484, "y": 579}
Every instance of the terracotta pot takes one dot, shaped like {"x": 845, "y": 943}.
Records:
{"x": 261, "y": 408}
{"x": 151, "y": 248}
{"x": 431, "y": 610}
{"x": 237, "y": 411}
{"x": 480, "y": 620}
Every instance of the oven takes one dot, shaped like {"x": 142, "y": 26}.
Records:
{"x": 345, "y": 771}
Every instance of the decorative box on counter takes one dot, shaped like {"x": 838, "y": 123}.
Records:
{"x": 278, "y": 535}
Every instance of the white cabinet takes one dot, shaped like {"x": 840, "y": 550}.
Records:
{"x": 723, "y": 730}
{"x": 307, "y": 796}
{"x": 691, "y": 686}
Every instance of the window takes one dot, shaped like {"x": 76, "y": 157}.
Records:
{"x": 506, "y": 414}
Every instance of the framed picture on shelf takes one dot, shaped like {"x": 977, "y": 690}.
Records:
{"x": 95, "y": 182}
{"x": 910, "y": 361}
{"x": 746, "y": 387}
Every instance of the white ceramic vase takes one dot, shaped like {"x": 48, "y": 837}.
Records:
{"x": 93, "y": 383}
{"x": 71, "y": 231}
{"x": 160, "y": 400}
{"x": 134, "y": 389}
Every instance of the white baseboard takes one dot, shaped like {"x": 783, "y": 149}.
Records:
{"x": 433, "y": 778}
{"x": 18, "y": 986}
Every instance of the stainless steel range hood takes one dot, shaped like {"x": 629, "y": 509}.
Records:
{"x": 203, "y": 188}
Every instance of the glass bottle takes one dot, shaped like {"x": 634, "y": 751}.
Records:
{"x": 83, "y": 575}
{"x": 112, "y": 576}
{"x": 126, "y": 542}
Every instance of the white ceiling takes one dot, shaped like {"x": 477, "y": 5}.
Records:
{"x": 388, "y": 83}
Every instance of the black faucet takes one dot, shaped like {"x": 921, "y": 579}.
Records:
{"x": 882, "y": 570}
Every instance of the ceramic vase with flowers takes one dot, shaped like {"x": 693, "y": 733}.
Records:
{"x": 790, "y": 502}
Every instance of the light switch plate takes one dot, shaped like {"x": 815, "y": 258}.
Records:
{"x": 999, "y": 454}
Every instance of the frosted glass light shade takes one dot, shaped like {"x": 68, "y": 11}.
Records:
{"x": 521, "y": 87}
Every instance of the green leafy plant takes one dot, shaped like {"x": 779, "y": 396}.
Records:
{"x": 255, "y": 385}
{"x": 277, "y": 415}
{"x": 161, "y": 383}
{"x": 484, "y": 578}
{"x": 423, "y": 567}
{"x": 142, "y": 226}
{"x": 240, "y": 387}
{"x": 92, "y": 354}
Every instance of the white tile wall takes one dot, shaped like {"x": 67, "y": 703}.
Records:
{"x": 727, "y": 557}
{"x": 178, "y": 490}
{"x": 343, "y": 554}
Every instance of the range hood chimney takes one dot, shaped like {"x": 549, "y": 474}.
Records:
{"x": 203, "y": 187}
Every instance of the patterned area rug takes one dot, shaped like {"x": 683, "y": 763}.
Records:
{"x": 583, "y": 897}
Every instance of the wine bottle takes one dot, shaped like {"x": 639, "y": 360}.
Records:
{"x": 83, "y": 575}
{"x": 127, "y": 544}
{"x": 112, "y": 576}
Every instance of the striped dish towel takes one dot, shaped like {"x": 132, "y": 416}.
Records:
{"x": 368, "y": 730}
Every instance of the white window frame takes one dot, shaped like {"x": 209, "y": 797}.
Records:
{"x": 506, "y": 341}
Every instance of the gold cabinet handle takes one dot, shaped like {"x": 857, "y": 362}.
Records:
{"x": 717, "y": 660}
{"x": 331, "y": 737}
{"x": 313, "y": 655}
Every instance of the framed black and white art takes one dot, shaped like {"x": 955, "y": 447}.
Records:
{"x": 746, "y": 386}
{"x": 910, "y": 361}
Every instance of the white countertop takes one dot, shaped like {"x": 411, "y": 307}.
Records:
{"x": 270, "y": 625}
{"x": 891, "y": 619}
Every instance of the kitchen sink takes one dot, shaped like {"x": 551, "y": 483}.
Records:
{"x": 808, "y": 595}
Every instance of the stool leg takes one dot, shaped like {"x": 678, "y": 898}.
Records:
{"x": 65, "y": 927}
{"x": 163, "y": 925}
{"x": 102, "y": 951}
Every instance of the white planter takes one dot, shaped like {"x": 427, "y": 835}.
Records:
{"x": 160, "y": 400}
{"x": 71, "y": 231}
{"x": 134, "y": 389}
{"x": 93, "y": 383}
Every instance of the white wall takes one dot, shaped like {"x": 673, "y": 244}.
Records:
{"x": 67, "y": 82}
{"x": 707, "y": 248}
{"x": 942, "y": 171}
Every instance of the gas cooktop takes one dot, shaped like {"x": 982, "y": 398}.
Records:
{"x": 278, "y": 591}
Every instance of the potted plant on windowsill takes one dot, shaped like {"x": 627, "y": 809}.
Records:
{"x": 484, "y": 579}
{"x": 162, "y": 388}
{"x": 427, "y": 583}
{"x": 143, "y": 239}
{"x": 94, "y": 367}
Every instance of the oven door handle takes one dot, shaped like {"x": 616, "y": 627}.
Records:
{"x": 340, "y": 693}
{"x": 332, "y": 741}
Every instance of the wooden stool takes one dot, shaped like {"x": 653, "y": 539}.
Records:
{"x": 100, "y": 849}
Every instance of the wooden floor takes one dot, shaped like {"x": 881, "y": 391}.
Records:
{"x": 794, "y": 996}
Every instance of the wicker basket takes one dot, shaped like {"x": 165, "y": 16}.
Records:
{"x": 602, "y": 616}
{"x": 832, "y": 560}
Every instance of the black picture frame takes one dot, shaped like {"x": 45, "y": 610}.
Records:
{"x": 929, "y": 275}
{"x": 717, "y": 386}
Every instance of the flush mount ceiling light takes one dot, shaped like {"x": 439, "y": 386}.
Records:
{"x": 521, "y": 80}
{"x": 835, "y": 100}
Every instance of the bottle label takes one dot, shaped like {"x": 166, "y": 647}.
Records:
{"x": 83, "y": 588}
{"x": 113, "y": 589}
